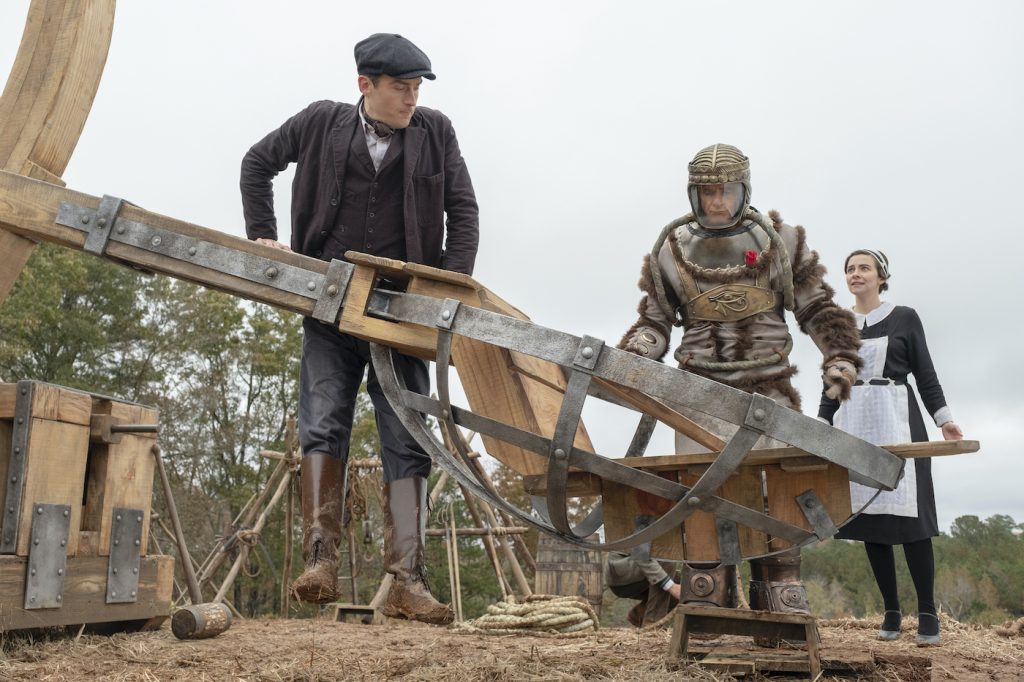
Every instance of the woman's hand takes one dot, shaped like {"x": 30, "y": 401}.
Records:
{"x": 950, "y": 431}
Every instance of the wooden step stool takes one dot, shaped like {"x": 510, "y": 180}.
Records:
{"x": 362, "y": 610}
{"x": 720, "y": 621}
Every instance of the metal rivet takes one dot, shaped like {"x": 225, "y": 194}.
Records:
{"x": 32, "y": 599}
{"x": 21, "y": 420}
{"x": 446, "y": 314}
{"x": 139, "y": 518}
{"x": 17, "y": 451}
{"x": 559, "y": 453}
{"x": 759, "y": 414}
{"x": 33, "y": 571}
{"x": 67, "y": 513}
{"x": 809, "y": 503}
{"x": 155, "y": 241}
{"x": 191, "y": 250}
{"x": 63, "y": 543}
{"x": 102, "y": 222}
{"x": 444, "y": 414}
{"x": 332, "y": 290}
{"x": 39, "y": 510}
{"x": 113, "y": 594}
{"x": 693, "y": 501}
{"x": 60, "y": 571}
{"x": 114, "y": 571}
{"x": 587, "y": 352}
{"x": 120, "y": 229}
{"x": 133, "y": 595}
{"x": 116, "y": 543}
{"x": 270, "y": 272}
{"x": 10, "y": 510}
{"x": 59, "y": 598}
{"x": 35, "y": 541}
{"x": 138, "y": 542}
{"x": 85, "y": 220}
{"x": 135, "y": 570}
{"x": 14, "y": 479}
{"x": 311, "y": 286}
{"x": 117, "y": 517}
{"x": 24, "y": 391}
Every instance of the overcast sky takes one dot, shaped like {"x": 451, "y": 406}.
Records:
{"x": 885, "y": 125}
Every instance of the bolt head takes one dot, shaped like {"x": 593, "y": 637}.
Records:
{"x": 156, "y": 241}
{"x": 587, "y": 352}
{"x": 446, "y": 314}
{"x": 332, "y": 290}
{"x": 59, "y": 598}
{"x": 191, "y": 250}
{"x": 693, "y": 501}
{"x": 60, "y": 571}
{"x": 559, "y": 453}
{"x": 311, "y": 286}
{"x": 85, "y": 220}
{"x": 102, "y": 222}
{"x": 759, "y": 414}
{"x": 270, "y": 272}
{"x": 114, "y": 571}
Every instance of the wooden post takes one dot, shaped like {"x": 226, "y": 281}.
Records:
{"x": 244, "y": 553}
{"x": 286, "y": 569}
{"x": 457, "y": 594}
{"x": 194, "y": 591}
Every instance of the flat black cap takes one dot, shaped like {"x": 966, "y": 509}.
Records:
{"x": 392, "y": 55}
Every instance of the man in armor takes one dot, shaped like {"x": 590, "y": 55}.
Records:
{"x": 726, "y": 273}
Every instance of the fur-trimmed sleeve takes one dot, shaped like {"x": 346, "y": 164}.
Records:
{"x": 832, "y": 328}
{"x": 652, "y": 318}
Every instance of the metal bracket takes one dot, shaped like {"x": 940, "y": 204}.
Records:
{"x": 759, "y": 414}
{"x": 728, "y": 541}
{"x": 16, "y": 467}
{"x": 125, "y": 551}
{"x": 587, "y": 353}
{"x": 817, "y": 515}
{"x": 449, "y": 309}
{"x": 101, "y": 224}
{"x": 47, "y": 556}
{"x": 339, "y": 274}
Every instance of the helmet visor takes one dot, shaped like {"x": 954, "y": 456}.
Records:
{"x": 718, "y": 205}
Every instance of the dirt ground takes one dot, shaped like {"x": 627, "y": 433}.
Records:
{"x": 308, "y": 650}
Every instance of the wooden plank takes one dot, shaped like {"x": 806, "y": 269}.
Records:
{"x": 701, "y": 535}
{"x": 830, "y": 482}
{"x": 85, "y": 585}
{"x": 55, "y": 474}
{"x": 623, "y": 506}
{"x": 120, "y": 475}
{"x": 61, "y": 404}
{"x": 940, "y": 448}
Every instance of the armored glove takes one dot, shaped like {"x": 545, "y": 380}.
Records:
{"x": 839, "y": 377}
{"x": 647, "y": 342}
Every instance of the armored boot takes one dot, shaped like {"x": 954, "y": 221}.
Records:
{"x": 322, "y": 477}
{"x": 405, "y": 525}
{"x": 709, "y": 585}
{"x": 775, "y": 586}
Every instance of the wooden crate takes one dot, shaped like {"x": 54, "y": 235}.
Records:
{"x": 59, "y": 458}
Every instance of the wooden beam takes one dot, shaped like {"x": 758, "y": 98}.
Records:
{"x": 47, "y": 99}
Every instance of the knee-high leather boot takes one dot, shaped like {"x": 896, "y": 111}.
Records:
{"x": 405, "y": 525}
{"x": 322, "y": 477}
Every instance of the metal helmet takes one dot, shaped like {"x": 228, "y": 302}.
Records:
{"x": 719, "y": 186}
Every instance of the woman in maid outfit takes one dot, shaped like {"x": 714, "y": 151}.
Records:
{"x": 883, "y": 410}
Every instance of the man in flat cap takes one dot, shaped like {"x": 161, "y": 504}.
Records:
{"x": 376, "y": 177}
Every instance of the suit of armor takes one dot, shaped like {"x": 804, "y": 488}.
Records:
{"x": 727, "y": 273}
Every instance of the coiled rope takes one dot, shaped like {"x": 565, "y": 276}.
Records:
{"x": 541, "y": 616}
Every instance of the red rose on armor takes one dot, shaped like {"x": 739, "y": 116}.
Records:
{"x": 751, "y": 258}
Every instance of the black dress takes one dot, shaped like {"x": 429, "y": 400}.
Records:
{"x": 894, "y": 347}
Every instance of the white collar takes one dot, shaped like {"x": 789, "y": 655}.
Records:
{"x": 875, "y": 316}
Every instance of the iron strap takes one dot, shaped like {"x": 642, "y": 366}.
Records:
{"x": 17, "y": 466}
{"x": 231, "y": 261}
{"x": 408, "y": 405}
{"x": 865, "y": 461}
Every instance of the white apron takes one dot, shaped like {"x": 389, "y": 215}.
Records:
{"x": 881, "y": 416}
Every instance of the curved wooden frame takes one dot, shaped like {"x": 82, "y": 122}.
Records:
{"x": 47, "y": 99}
